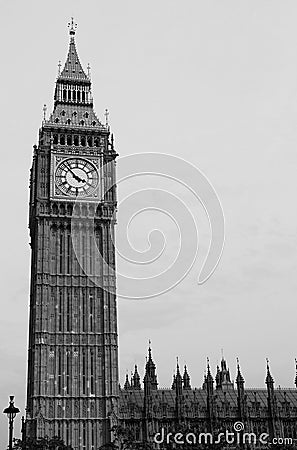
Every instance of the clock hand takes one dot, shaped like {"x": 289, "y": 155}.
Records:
{"x": 76, "y": 176}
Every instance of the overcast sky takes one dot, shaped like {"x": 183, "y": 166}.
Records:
{"x": 213, "y": 82}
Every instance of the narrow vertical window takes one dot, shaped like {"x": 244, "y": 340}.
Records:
{"x": 84, "y": 435}
{"x": 68, "y": 362}
{"x": 91, "y": 316}
{"x": 68, "y": 254}
{"x": 75, "y": 312}
{"x": 83, "y": 250}
{"x": 92, "y": 370}
{"x": 60, "y": 311}
{"x": 84, "y": 373}
{"x": 91, "y": 262}
{"x": 61, "y": 244}
{"x": 60, "y": 372}
{"x": 93, "y": 437}
{"x": 78, "y": 96}
{"x": 59, "y": 429}
{"x": 68, "y": 312}
{"x": 84, "y": 312}
{"x": 67, "y": 433}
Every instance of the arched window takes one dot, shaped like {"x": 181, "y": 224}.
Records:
{"x": 90, "y": 143}
{"x": 82, "y": 122}
{"x": 55, "y": 139}
{"x": 96, "y": 142}
{"x": 74, "y": 96}
{"x": 74, "y": 113}
{"x": 83, "y": 96}
{"x": 83, "y": 141}
{"x": 76, "y": 141}
{"x": 68, "y": 121}
{"x": 62, "y": 139}
{"x": 78, "y": 96}
{"x": 57, "y": 120}
{"x": 69, "y": 139}
{"x": 69, "y": 94}
{"x": 86, "y": 115}
{"x": 63, "y": 112}
{"x": 64, "y": 94}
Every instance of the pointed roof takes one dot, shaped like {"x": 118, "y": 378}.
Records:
{"x": 73, "y": 69}
{"x": 150, "y": 369}
{"x": 127, "y": 383}
{"x": 136, "y": 379}
{"x": 208, "y": 377}
{"x": 239, "y": 377}
{"x": 173, "y": 382}
{"x": 178, "y": 375}
{"x": 186, "y": 379}
{"x": 269, "y": 379}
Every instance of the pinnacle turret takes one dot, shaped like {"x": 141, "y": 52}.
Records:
{"x": 186, "y": 379}
{"x": 150, "y": 370}
{"x": 269, "y": 380}
{"x": 239, "y": 377}
{"x": 135, "y": 380}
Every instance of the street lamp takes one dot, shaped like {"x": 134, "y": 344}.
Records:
{"x": 11, "y": 412}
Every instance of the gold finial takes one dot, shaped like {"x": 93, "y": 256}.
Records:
{"x": 59, "y": 68}
{"x": 72, "y": 27}
{"x": 89, "y": 70}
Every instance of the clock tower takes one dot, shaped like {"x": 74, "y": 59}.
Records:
{"x": 72, "y": 385}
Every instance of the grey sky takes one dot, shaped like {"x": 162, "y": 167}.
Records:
{"x": 212, "y": 82}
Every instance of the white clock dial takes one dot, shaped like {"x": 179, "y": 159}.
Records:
{"x": 76, "y": 177}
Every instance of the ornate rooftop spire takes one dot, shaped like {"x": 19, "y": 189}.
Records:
{"x": 73, "y": 69}
{"x": 186, "y": 379}
{"x": 136, "y": 379}
{"x": 239, "y": 377}
{"x": 296, "y": 372}
{"x": 150, "y": 369}
{"x": 269, "y": 380}
{"x": 127, "y": 383}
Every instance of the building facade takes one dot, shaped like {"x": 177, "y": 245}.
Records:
{"x": 72, "y": 384}
{"x": 148, "y": 413}
{"x": 73, "y": 387}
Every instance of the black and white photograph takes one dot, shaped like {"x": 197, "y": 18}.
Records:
{"x": 149, "y": 226}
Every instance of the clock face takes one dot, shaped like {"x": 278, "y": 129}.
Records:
{"x": 76, "y": 177}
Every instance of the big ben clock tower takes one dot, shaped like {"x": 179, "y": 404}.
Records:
{"x": 72, "y": 386}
